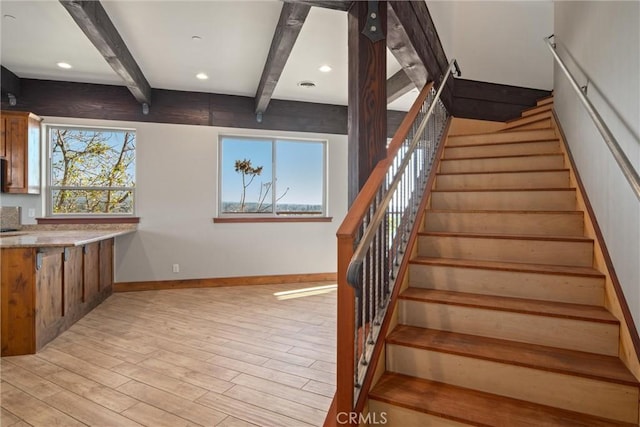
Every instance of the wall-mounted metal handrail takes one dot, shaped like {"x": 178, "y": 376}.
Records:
{"x": 621, "y": 158}
{"x": 378, "y": 217}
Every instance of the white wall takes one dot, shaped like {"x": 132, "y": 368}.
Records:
{"x": 601, "y": 42}
{"x": 497, "y": 41}
{"x": 176, "y": 168}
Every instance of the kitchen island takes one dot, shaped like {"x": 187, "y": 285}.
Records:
{"x": 50, "y": 279}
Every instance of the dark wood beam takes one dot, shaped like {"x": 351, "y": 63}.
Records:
{"x": 327, "y": 4}
{"x": 367, "y": 93}
{"x": 403, "y": 50}
{"x": 97, "y": 26}
{"x": 107, "y": 102}
{"x": 421, "y": 38}
{"x": 10, "y": 83}
{"x": 292, "y": 17}
{"x": 397, "y": 85}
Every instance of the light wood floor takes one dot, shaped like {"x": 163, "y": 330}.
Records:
{"x": 194, "y": 357}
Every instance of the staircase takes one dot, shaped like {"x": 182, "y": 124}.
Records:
{"x": 502, "y": 322}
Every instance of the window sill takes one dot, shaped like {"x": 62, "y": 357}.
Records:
{"x": 89, "y": 220}
{"x": 245, "y": 219}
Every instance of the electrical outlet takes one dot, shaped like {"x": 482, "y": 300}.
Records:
{"x": 31, "y": 213}
{"x": 176, "y": 268}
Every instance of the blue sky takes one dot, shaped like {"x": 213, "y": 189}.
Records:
{"x": 299, "y": 167}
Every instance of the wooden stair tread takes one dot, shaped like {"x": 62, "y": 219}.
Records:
{"x": 544, "y": 101}
{"x": 508, "y": 156}
{"x": 487, "y": 133}
{"x": 544, "y": 114}
{"x": 474, "y": 407}
{"x": 504, "y": 172}
{"x": 490, "y": 144}
{"x": 589, "y": 365}
{"x": 543, "y": 107}
{"x": 510, "y": 266}
{"x": 502, "y": 189}
{"x": 489, "y": 211}
{"x": 516, "y": 305}
{"x": 507, "y": 236}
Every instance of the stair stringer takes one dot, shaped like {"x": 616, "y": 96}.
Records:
{"x": 629, "y": 346}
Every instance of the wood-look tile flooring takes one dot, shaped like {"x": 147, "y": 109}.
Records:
{"x": 235, "y": 356}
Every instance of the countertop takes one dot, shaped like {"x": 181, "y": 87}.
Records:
{"x": 55, "y": 238}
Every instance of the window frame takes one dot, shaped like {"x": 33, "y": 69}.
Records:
{"x": 50, "y": 188}
{"x": 273, "y": 216}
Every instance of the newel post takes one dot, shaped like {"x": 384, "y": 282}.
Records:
{"x": 346, "y": 328}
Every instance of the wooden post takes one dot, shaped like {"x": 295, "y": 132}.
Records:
{"x": 346, "y": 322}
{"x": 367, "y": 114}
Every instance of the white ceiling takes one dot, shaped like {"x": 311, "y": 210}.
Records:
{"x": 235, "y": 39}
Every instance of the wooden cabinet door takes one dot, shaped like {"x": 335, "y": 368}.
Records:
{"x": 73, "y": 279}
{"x": 16, "y": 302}
{"x": 21, "y": 142}
{"x": 91, "y": 267}
{"x": 3, "y": 137}
{"x": 16, "y": 150}
{"x": 106, "y": 264}
{"x": 49, "y": 295}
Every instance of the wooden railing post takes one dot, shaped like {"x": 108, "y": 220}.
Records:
{"x": 346, "y": 328}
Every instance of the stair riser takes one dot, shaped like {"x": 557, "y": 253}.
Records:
{"x": 503, "y": 164}
{"x": 540, "y": 124}
{"x": 547, "y": 101}
{"x": 508, "y": 250}
{"x": 505, "y": 200}
{"x": 594, "y": 397}
{"x": 502, "y": 137}
{"x": 517, "y": 149}
{"x": 399, "y": 416}
{"x": 571, "y": 334}
{"x": 537, "y": 110}
{"x": 510, "y": 180}
{"x": 545, "y": 287}
{"x": 540, "y": 224}
{"x": 518, "y": 123}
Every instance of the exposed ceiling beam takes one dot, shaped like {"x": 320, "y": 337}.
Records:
{"x": 400, "y": 44}
{"x": 398, "y": 85}
{"x": 97, "y": 26}
{"x": 327, "y": 4}
{"x": 292, "y": 18}
{"x": 10, "y": 83}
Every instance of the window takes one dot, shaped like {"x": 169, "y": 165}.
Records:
{"x": 272, "y": 177}
{"x": 91, "y": 171}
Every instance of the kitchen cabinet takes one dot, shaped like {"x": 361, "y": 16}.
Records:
{"x": 20, "y": 145}
{"x": 45, "y": 290}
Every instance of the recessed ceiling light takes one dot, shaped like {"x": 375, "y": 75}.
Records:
{"x": 202, "y": 76}
{"x": 325, "y": 68}
{"x": 196, "y": 38}
{"x": 307, "y": 84}
{"x": 7, "y": 16}
{"x": 64, "y": 65}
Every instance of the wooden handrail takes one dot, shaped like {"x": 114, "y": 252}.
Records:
{"x": 384, "y": 329}
{"x": 347, "y": 234}
{"x": 361, "y": 204}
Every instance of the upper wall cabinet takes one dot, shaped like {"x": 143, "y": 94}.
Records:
{"x": 20, "y": 145}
